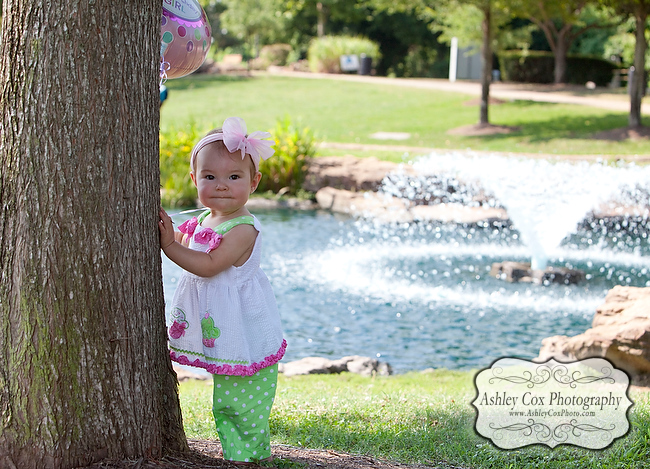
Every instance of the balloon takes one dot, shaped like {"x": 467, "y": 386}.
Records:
{"x": 185, "y": 38}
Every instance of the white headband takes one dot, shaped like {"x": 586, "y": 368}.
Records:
{"x": 234, "y": 137}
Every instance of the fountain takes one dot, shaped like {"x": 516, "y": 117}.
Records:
{"x": 544, "y": 200}
{"x": 420, "y": 295}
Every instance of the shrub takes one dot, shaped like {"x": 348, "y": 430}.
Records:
{"x": 538, "y": 66}
{"x": 526, "y": 67}
{"x": 581, "y": 69}
{"x": 177, "y": 189}
{"x": 285, "y": 170}
{"x": 419, "y": 62}
{"x": 325, "y": 52}
{"x": 274, "y": 54}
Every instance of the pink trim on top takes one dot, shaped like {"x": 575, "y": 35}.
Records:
{"x": 237, "y": 370}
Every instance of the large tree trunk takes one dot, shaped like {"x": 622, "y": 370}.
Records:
{"x": 84, "y": 369}
{"x": 486, "y": 71}
{"x": 637, "y": 87}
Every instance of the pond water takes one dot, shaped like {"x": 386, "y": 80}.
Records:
{"x": 420, "y": 295}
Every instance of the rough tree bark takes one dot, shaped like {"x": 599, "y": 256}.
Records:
{"x": 84, "y": 369}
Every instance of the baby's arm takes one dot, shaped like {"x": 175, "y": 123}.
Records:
{"x": 234, "y": 249}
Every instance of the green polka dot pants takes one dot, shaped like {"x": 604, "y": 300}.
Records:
{"x": 241, "y": 407}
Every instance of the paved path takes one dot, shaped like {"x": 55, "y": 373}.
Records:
{"x": 567, "y": 94}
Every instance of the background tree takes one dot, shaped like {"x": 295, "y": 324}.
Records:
{"x": 474, "y": 22}
{"x": 314, "y": 18}
{"x": 593, "y": 41}
{"x": 445, "y": 15}
{"x": 84, "y": 368}
{"x": 409, "y": 45}
{"x": 257, "y": 22}
{"x": 220, "y": 36}
{"x": 622, "y": 41}
{"x": 639, "y": 10}
{"x": 562, "y": 22}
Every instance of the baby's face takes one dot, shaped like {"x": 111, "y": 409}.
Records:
{"x": 224, "y": 180}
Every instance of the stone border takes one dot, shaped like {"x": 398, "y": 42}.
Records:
{"x": 620, "y": 332}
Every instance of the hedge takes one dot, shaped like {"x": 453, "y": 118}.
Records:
{"x": 538, "y": 66}
{"x": 325, "y": 52}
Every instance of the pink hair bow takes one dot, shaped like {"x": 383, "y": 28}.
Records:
{"x": 233, "y": 134}
{"x": 210, "y": 237}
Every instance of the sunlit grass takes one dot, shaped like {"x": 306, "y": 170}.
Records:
{"x": 350, "y": 112}
{"x": 424, "y": 418}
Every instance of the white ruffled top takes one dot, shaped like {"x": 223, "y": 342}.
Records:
{"x": 228, "y": 324}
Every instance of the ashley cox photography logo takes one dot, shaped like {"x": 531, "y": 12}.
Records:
{"x": 521, "y": 403}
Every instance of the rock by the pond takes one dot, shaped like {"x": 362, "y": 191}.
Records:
{"x": 620, "y": 332}
{"x": 348, "y": 184}
{"x": 364, "y": 204}
{"x": 347, "y": 172}
{"x": 364, "y": 366}
{"x": 513, "y": 272}
{"x": 387, "y": 208}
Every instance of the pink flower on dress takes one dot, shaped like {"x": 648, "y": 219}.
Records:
{"x": 188, "y": 227}
{"x": 177, "y": 330}
{"x": 209, "y": 237}
{"x": 206, "y": 236}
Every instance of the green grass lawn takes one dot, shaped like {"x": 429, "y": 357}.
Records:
{"x": 349, "y": 112}
{"x": 424, "y": 418}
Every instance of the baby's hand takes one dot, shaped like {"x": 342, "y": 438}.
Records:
{"x": 166, "y": 228}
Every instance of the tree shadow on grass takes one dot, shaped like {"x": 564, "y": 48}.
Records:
{"x": 624, "y": 133}
{"x": 610, "y": 126}
{"x": 446, "y": 437}
{"x": 442, "y": 435}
